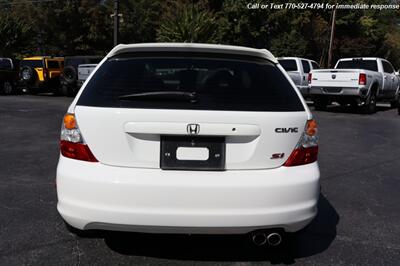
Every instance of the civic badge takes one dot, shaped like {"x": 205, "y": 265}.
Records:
{"x": 193, "y": 129}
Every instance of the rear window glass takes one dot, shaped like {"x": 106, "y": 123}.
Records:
{"x": 5, "y": 64}
{"x": 314, "y": 65}
{"x": 53, "y": 64}
{"x": 32, "y": 63}
{"x": 220, "y": 83}
{"x": 387, "y": 67}
{"x": 358, "y": 64}
{"x": 288, "y": 64}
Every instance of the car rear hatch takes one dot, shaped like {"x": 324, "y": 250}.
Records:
{"x": 190, "y": 111}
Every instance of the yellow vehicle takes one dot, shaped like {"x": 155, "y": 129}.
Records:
{"x": 41, "y": 73}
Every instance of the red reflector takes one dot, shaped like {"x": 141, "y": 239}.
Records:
{"x": 362, "y": 79}
{"x": 309, "y": 78}
{"x": 302, "y": 156}
{"x": 77, "y": 151}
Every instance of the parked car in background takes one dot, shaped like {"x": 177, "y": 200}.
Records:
{"x": 8, "y": 75}
{"x": 357, "y": 81}
{"x": 70, "y": 75}
{"x": 189, "y": 138}
{"x": 41, "y": 73}
{"x": 298, "y": 69}
{"x": 84, "y": 72}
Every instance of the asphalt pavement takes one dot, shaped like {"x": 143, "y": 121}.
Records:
{"x": 359, "y": 209}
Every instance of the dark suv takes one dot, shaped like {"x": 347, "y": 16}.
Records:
{"x": 69, "y": 77}
{"x": 8, "y": 75}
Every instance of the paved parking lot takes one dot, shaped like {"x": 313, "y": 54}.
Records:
{"x": 359, "y": 209}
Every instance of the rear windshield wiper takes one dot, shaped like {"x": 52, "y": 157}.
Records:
{"x": 161, "y": 95}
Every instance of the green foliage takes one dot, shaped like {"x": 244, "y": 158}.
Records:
{"x": 184, "y": 21}
{"x": 17, "y": 32}
{"x": 141, "y": 19}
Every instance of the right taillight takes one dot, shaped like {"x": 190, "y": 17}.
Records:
{"x": 362, "y": 79}
{"x": 309, "y": 78}
{"x": 306, "y": 150}
{"x": 72, "y": 144}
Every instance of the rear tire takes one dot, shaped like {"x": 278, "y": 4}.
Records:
{"x": 320, "y": 104}
{"x": 65, "y": 90}
{"x": 394, "y": 104}
{"x": 370, "y": 104}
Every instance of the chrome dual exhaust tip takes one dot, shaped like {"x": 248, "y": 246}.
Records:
{"x": 261, "y": 238}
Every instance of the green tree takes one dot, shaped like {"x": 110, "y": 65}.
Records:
{"x": 15, "y": 35}
{"x": 184, "y": 21}
{"x": 140, "y": 20}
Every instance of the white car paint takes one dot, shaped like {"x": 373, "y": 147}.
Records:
{"x": 127, "y": 190}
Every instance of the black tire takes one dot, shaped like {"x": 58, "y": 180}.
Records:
{"x": 66, "y": 90}
{"x": 370, "y": 104}
{"x": 70, "y": 75}
{"x": 6, "y": 88}
{"x": 394, "y": 104}
{"x": 320, "y": 104}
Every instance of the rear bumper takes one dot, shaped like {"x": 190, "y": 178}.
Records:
{"x": 338, "y": 92}
{"x": 97, "y": 196}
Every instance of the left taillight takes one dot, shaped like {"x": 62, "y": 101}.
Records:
{"x": 72, "y": 144}
{"x": 306, "y": 150}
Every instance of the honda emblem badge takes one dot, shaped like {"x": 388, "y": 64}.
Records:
{"x": 193, "y": 129}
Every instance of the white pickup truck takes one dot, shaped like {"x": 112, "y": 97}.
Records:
{"x": 298, "y": 69}
{"x": 356, "y": 81}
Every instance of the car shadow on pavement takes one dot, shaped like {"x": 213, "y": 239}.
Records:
{"x": 312, "y": 240}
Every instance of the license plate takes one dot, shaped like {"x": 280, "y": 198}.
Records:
{"x": 192, "y": 153}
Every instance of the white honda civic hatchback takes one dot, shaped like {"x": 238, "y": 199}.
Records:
{"x": 189, "y": 138}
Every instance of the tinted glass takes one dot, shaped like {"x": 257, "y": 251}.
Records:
{"x": 358, "y": 64}
{"x": 387, "y": 67}
{"x": 288, "y": 64}
{"x": 306, "y": 66}
{"x": 53, "y": 64}
{"x": 32, "y": 63}
{"x": 5, "y": 64}
{"x": 314, "y": 65}
{"x": 225, "y": 83}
